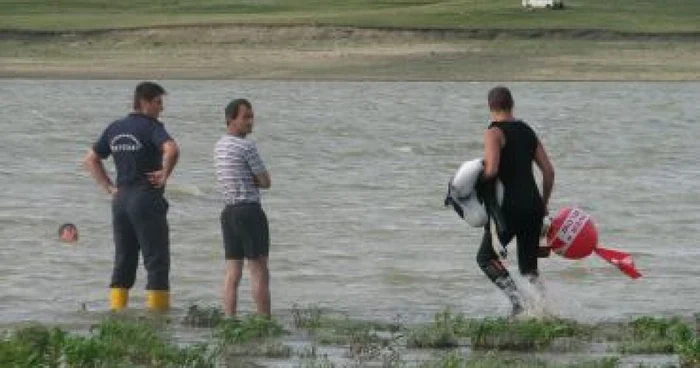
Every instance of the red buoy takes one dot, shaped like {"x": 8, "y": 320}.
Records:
{"x": 573, "y": 235}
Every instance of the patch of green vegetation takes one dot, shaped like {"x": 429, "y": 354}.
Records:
{"x": 364, "y": 343}
{"x": 689, "y": 353}
{"x": 656, "y": 335}
{"x": 112, "y": 343}
{"x": 652, "y": 335}
{"x": 651, "y": 327}
{"x": 322, "y": 362}
{"x": 310, "y": 358}
{"x": 364, "y": 338}
{"x": 306, "y": 317}
{"x": 455, "y": 359}
{"x": 444, "y": 332}
{"x": 254, "y": 327}
{"x": 314, "y": 318}
{"x": 607, "y": 362}
{"x": 268, "y": 349}
{"x": 33, "y": 345}
{"x": 529, "y": 334}
{"x": 124, "y": 341}
{"x": 207, "y": 317}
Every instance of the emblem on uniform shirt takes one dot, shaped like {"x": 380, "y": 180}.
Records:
{"x": 125, "y": 143}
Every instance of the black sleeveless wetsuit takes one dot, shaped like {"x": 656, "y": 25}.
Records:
{"x": 522, "y": 208}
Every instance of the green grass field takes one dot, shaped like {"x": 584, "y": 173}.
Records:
{"x": 385, "y": 39}
{"x": 656, "y": 16}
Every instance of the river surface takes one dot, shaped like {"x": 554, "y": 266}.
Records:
{"x": 356, "y": 208}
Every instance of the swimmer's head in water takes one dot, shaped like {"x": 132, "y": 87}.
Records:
{"x": 68, "y": 233}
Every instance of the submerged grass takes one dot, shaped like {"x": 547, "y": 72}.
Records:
{"x": 254, "y": 336}
{"x": 456, "y": 359}
{"x": 122, "y": 341}
{"x": 493, "y": 333}
{"x": 444, "y": 332}
{"x": 655, "y": 335}
{"x": 207, "y": 317}
{"x": 652, "y": 335}
{"x": 253, "y": 328}
{"x": 314, "y": 318}
{"x": 307, "y": 317}
{"x": 364, "y": 338}
{"x": 526, "y": 335}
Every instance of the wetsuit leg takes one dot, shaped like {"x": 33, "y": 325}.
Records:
{"x": 126, "y": 250}
{"x": 493, "y": 268}
{"x": 148, "y": 213}
{"x": 528, "y": 240}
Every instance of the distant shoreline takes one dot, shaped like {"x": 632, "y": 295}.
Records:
{"x": 299, "y": 52}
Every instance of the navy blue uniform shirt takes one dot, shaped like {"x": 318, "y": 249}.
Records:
{"x": 135, "y": 144}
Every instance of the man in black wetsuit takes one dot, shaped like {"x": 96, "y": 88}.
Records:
{"x": 510, "y": 147}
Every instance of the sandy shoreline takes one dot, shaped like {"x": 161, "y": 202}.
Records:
{"x": 345, "y": 53}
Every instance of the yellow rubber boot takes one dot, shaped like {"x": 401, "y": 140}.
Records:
{"x": 158, "y": 300}
{"x": 118, "y": 298}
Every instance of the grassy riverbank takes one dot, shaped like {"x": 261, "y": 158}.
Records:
{"x": 646, "y": 16}
{"x": 354, "y": 40}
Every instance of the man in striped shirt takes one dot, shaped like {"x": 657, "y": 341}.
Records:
{"x": 240, "y": 173}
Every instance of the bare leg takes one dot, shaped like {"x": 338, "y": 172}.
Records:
{"x": 234, "y": 271}
{"x": 260, "y": 284}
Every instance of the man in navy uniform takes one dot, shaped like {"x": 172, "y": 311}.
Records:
{"x": 144, "y": 155}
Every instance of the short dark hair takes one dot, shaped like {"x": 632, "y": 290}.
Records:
{"x": 500, "y": 99}
{"x": 65, "y": 227}
{"x": 147, "y": 91}
{"x": 233, "y": 108}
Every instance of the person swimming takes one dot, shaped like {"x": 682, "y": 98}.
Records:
{"x": 68, "y": 233}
